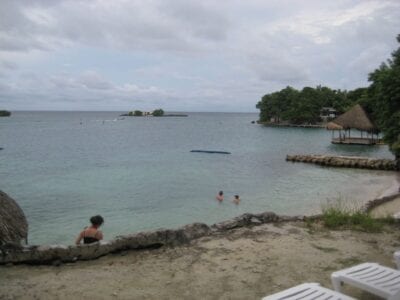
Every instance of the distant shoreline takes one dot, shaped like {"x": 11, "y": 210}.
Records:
{"x": 268, "y": 124}
{"x": 169, "y": 115}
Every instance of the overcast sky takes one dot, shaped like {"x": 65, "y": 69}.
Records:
{"x": 183, "y": 55}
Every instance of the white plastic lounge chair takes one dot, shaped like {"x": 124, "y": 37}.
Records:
{"x": 308, "y": 291}
{"x": 371, "y": 277}
{"x": 396, "y": 256}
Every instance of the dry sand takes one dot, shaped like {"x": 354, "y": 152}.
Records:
{"x": 246, "y": 263}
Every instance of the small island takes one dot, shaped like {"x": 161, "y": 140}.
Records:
{"x": 5, "y": 113}
{"x": 155, "y": 113}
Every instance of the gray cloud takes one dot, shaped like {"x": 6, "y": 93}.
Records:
{"x": 187, "y": 54}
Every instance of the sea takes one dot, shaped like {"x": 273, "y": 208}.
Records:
{"x": 139, "y": 172}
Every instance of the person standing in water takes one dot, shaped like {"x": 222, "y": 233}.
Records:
{"x": 220, "y": 196}
{"x": 236, "y": 199}
{"x": 91, "y": 234}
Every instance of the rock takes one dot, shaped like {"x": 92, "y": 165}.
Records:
{"x": 254, "y": 220}
{"x": 267, "y": 217}
{"x": 57, "y": 263}
{"x": 346, "y": 161}
{"x": 58, "y": 254}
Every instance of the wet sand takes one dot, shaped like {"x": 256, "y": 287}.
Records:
{"x": 246, "y": 263}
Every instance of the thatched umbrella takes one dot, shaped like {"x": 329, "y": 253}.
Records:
{"x": 333, "y": 126}
{"x": 356, "y": 118}
{"x": 13, "y": 224}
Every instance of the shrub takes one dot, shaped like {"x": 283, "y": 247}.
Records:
{"x": 158, "y": 113}
{"x": 340, "y": 214}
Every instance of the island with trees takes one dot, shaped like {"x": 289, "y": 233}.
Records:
{"x": 381, "y": 100}
{"x": 155, "y": 113}
{"x": 5, "y": 113}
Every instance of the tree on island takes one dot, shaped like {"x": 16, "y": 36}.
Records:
{"x": 5, "y": 113}
{"x": 158, "y": 113}
{"x": 136, "y": 113}
{"x": 302, "y": 107}
{"x": 383, "y": 100}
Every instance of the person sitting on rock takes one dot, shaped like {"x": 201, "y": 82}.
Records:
{"x": 91, "y": 234}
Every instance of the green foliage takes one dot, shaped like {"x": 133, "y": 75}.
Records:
{"x": 381, "y": 100}
{"x": 158, "y": 113}
{"x": 334, "y": 218}
{"x": 136, "y": 113}
{"x": 339, "y": 214}
{"x": 384, "y": 100}
{"x": 301, "y": 107}
{"x": 5, "y": 113}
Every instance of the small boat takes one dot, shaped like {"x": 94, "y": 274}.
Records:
{"x": 211, "y": 151}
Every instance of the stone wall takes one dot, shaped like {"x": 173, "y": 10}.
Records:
{"x": 346, "y": 161}
{"x": 56, "y": 254}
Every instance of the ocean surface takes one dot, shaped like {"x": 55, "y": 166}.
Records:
{"x": 139, "y": 173}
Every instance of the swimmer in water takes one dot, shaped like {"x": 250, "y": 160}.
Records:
{"x": 220, "y": 196}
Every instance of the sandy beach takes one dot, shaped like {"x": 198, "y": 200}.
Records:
{"x": 246, "y": 263}
{"x": 391, "y": 208}
{"x": 243, "y": 263}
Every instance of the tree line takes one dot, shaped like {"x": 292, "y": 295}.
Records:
{"x": 304, "y": 106}
{"x": 381, "y": 99}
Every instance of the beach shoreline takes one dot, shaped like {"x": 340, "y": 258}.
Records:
{"x": 242, "y": 263}
{"x": 245, "y": 262}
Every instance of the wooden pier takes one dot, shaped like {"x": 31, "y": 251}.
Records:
{"x": 357, "y": 141}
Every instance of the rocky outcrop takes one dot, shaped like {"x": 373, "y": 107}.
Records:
{"x": 346, "y": 161}
{"x": 56, "y": 254}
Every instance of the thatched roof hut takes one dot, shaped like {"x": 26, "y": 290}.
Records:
{"x": 355, "y": 118}
{"x": 333, "y": 126}
{"x": 13, "y": 224}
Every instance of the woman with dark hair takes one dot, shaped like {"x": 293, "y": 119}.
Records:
{"x": 91, "y": 234}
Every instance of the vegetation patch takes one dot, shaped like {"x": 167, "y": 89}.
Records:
{"x": 341, "y": 214}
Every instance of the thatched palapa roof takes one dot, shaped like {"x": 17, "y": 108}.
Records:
{"x": 13, "y": 224}
{"x": 355, "y": 118}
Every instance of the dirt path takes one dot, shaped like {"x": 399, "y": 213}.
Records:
{"x": 246, "y": 263}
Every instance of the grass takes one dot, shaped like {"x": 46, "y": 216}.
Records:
{"x": 342, "y": 214}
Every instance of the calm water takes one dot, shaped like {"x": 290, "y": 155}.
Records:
{"x": 63, "y": 167}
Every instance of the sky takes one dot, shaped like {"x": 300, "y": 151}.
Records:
{"x": 185, "y": 55}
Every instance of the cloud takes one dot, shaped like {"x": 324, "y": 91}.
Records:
{"x": 93, "y": 80}
{"x": 186, "y": 54}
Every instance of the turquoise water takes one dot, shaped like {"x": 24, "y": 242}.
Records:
{"x": 139, "y": 173}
